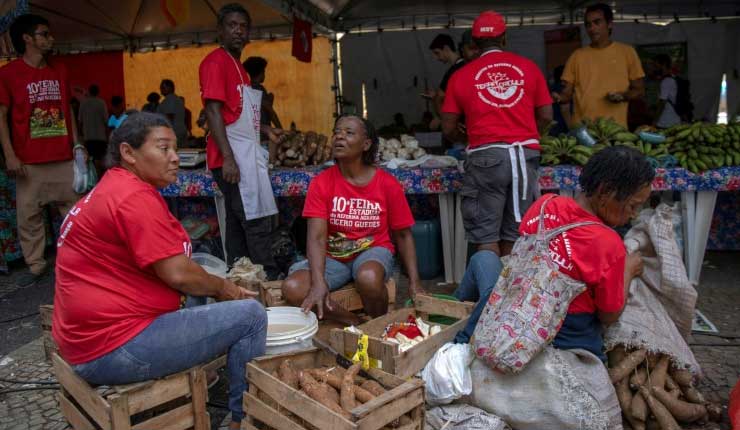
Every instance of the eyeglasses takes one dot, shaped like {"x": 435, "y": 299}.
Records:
{"x": 44, "y": 34}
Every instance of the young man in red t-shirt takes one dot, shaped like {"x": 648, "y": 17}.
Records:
{"x": 35, "y": 97}
{"x": 504, "y": 98}
{"x": 233, "y": 151}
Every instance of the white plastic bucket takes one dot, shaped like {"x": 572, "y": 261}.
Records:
{"x": 213, "y": 265}
{"x": 289, "y": 329}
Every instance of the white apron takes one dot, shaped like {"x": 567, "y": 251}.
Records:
{"x": 251, "y": 158}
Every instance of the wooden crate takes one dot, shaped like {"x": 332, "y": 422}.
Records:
{"x": 281, "y": 407}
{"x": 407, "y": 363}
{"x": 179, "y": 401}
{"x": 347, "y": 297}
{"x": 46, "y": 313}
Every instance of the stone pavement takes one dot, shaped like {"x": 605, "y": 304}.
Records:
{"x": 719, "y": 300}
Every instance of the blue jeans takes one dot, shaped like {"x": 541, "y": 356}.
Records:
{"x": 179, "y": 340}
{"x": 338, "y": 274}
{"x": 477, "y": 283}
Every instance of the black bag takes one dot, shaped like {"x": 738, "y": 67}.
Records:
{"x": 683, "y": 106}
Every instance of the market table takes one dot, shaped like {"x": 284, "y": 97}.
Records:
{"x": 698, "y": 198}
{"x": 698, "y": 192}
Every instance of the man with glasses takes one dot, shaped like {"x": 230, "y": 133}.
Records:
{"x": 35, "y": 105}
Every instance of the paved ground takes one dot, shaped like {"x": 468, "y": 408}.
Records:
{"x": 21, "y": 355}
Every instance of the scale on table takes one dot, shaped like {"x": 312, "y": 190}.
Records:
{"x": 191, "y": 157}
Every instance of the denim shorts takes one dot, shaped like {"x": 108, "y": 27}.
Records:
{"x": 338, "y": 274}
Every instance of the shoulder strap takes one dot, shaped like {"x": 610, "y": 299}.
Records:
{"x": 550, "y": 234}
{"x": 541, "y": 224}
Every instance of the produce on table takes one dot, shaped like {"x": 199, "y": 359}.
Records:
{"x": 657, "y": 399}
{"x": 407, "y": 148}
{"x": 700, "y": 146}
{"x": 297, "y": 149}
{"x": 695, "y": 147}
{"x": 564, "y": 150}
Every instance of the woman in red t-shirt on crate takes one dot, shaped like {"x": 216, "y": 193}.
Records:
{"x": 355, "y": 212}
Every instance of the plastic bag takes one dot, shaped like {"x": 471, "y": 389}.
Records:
{"x": 85, "y": 176}
{"x": 447, "y": 375}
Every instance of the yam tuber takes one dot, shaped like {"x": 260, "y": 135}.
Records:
{"x": 347, "y": 394}
{"x": 638, "y": 407}
{"x": 292, "y": 162}
{"x": 638, "y": 378}
{"x": 670, "y": 384}
{"x": 715, "y": 412}
{"x": 314, "y": 390}
{"x": 373, "y": 387}
{"x": 682, "y": 411}
{"x": 659, "y": 373}
{"x": 288, "y": 374}
{"x": 682, "y": 377}
{"x": 626, "y": 366}
{"x": 361, "y": 394}
{"x": 624, "y": 395}
{"x": 616, "y": 355}
{"x": 693, "y": 395}
{"x": 664, "y": 417}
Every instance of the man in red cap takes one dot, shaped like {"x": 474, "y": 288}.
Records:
{"x": 504, "y": 98}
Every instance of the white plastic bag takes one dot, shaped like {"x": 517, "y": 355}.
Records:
{"x": 447, "y": 375}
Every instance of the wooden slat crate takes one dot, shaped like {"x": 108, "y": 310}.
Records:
{"x": 347, "y": 297}
{"x": 278, "y": 406}
{"x": 407, "y": 363}
{"x": 46, "y": 313}
{"x": 179, "y": 401}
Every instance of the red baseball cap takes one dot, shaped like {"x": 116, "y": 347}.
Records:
{"x": 488, "y": 24}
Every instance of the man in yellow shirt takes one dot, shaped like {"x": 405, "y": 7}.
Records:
{"x": 601, "y": 78}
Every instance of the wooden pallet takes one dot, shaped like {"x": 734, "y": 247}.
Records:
{"x": 278, "y": 406}
{"x": 347, "y": 297}
{"x": 407, "y": 363}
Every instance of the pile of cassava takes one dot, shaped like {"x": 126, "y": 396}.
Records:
{"x": 297, "y": 149}
{"x": 339, "y": 389}
{"x": 655, "y": 394}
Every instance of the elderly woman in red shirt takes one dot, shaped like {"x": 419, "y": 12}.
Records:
{"x": 124, "y": 269}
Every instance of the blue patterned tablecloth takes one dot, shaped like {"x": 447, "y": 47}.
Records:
{"x": 294, "y": 182}
{"x": 422, "y": 184}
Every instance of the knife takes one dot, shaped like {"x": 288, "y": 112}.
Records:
{"x": 341, "y": 359}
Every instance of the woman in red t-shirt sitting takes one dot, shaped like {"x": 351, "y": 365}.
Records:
{"x": 355, "y": 211}
{"x": 615, "y": 183}
{"x": 123, "y": 269}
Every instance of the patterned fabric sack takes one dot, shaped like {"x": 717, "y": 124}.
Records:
{"x": 528, "y": 304}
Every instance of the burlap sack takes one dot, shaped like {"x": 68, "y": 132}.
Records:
{"x": 661, "y": 302}
{"x": 462, "y": 417}
{"x": 559, "y": 389}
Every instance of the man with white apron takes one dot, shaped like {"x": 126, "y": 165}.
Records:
{"x": 504, "y": 98}
{"x": 233, "y": 153}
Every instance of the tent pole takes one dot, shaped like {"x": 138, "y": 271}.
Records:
{"x": 337, "y": 87}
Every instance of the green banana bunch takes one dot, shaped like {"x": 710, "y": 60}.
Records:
{"x": 564, "y": 150}
{"x": 702, "y": 146}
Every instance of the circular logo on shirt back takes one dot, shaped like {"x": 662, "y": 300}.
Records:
{"x": 500, "y": 85}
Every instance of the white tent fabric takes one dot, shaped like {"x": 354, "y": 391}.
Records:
{"x": 387, "y": 63}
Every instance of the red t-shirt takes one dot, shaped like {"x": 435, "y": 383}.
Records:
{"x": 221, "y": 78}
{"x": 359, "y": 217}
{"x": 106, "y": 291}
{"x": 593, "y": 254}
{"x": 498, "y": 94}
{"x": 38, "y": 105}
